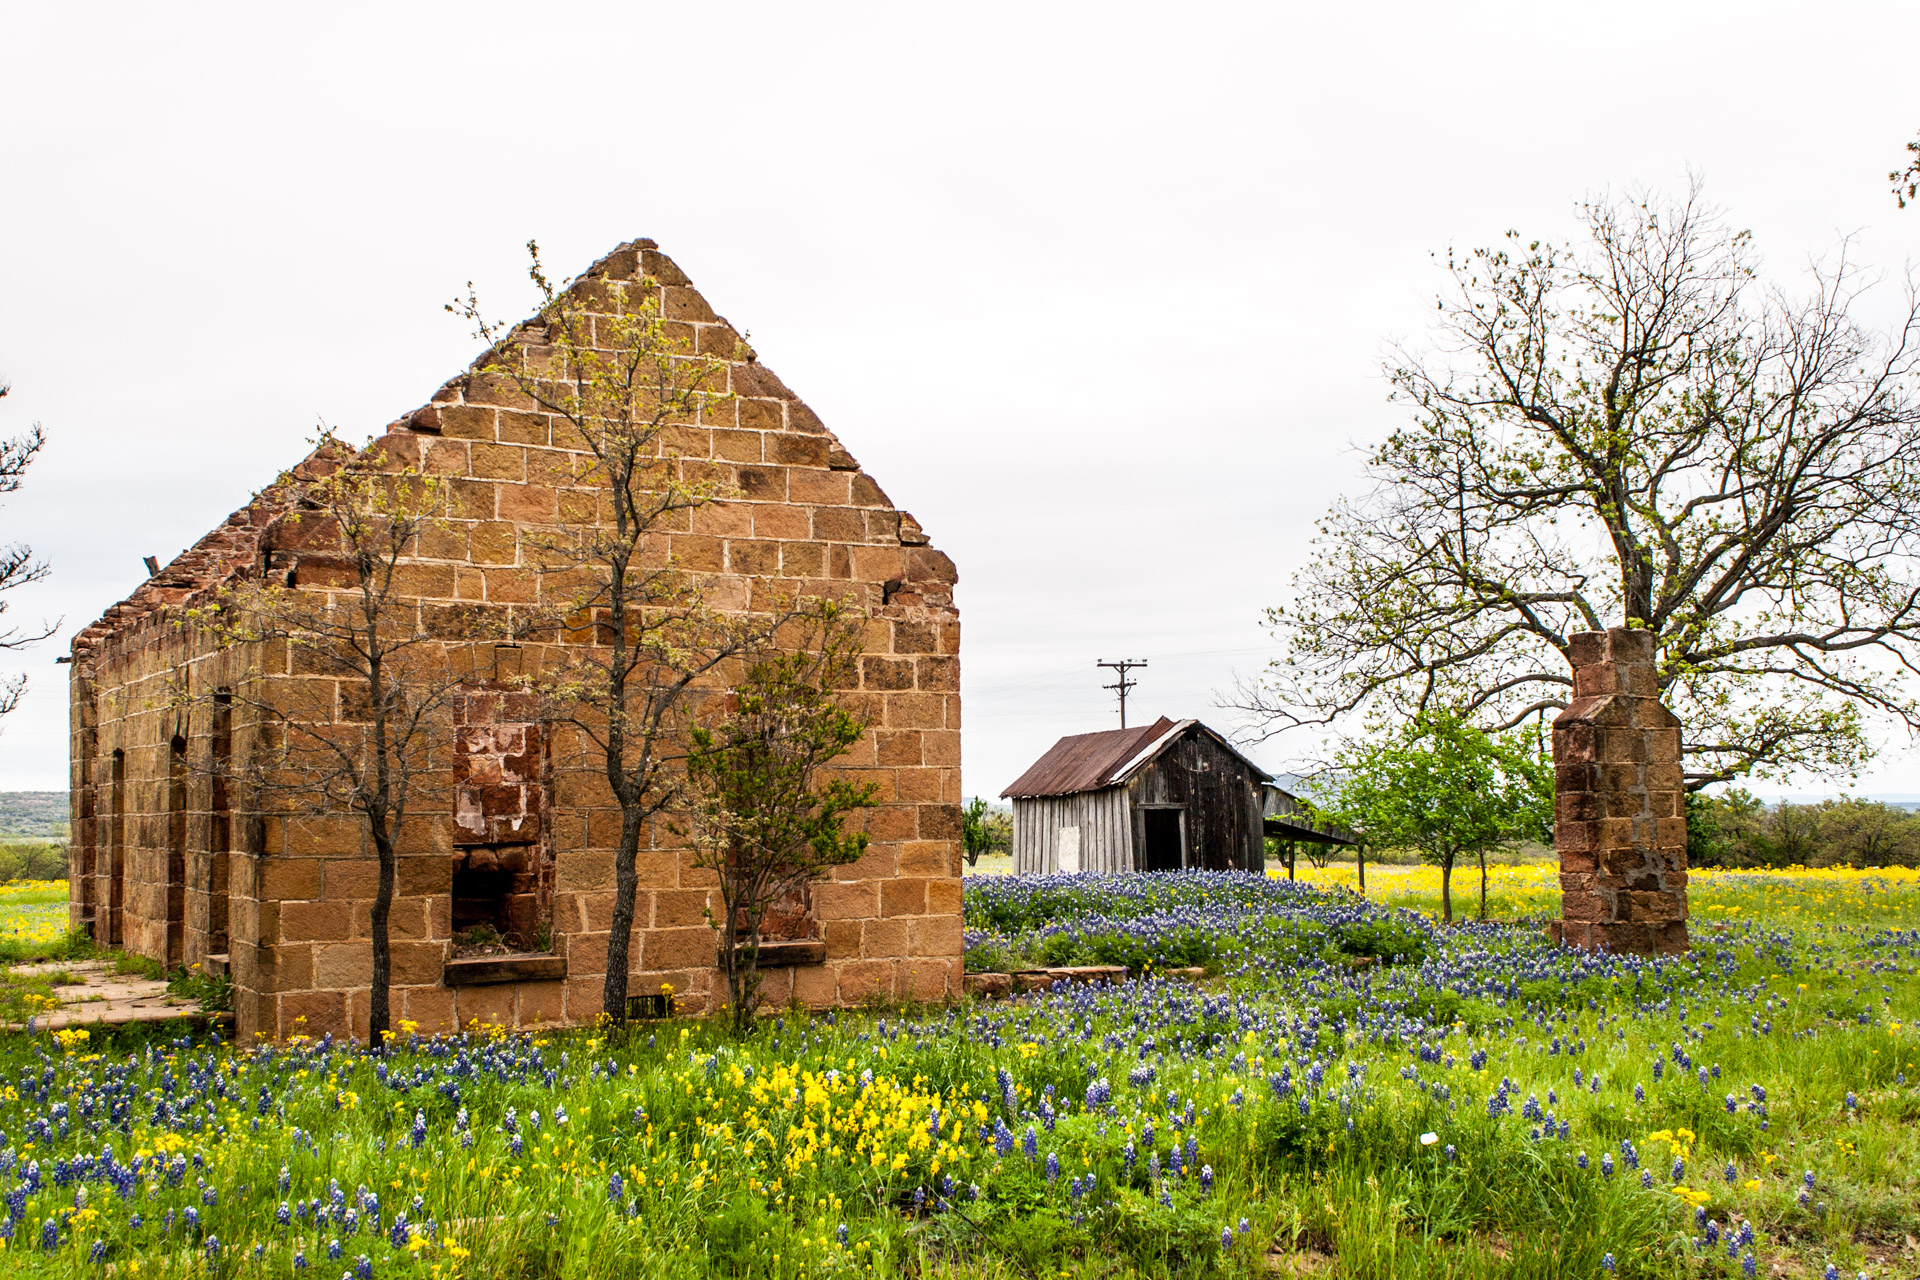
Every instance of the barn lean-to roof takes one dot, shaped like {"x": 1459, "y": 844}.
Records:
{"x": 235, "y": 549}
{"x": 1091, "y": 761}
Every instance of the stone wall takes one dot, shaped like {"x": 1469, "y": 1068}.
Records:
{"x": 298, "y": 888}
{"x": 1620, "y": 815}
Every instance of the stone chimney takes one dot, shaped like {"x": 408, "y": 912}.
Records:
{"x": 1620, "y": 824}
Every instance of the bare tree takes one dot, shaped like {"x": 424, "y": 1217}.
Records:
{"x": 1631, "y": 432}
{"x": 603, "y": 362}
{"x": 360, "y": 714}
{"x": 18, "y": 566}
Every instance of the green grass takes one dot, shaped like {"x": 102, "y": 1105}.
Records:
{"x": 746, "y": 1158}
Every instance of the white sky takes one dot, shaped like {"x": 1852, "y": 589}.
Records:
{"x": 1098, "y": 292}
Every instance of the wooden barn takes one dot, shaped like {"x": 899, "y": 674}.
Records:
{"x": 1163, "y": 797}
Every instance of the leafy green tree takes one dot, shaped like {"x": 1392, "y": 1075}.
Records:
{"x": 1736, "y": 829}
{"x": 984, "y": 830}
{"x": 1446, "y": 790}
{"x": 762, "y": 819}
{"x": 1632, "y": 431}
{"x": 1867, "y": 833}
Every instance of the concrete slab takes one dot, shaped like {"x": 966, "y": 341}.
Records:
{"x": 103, "y": 998}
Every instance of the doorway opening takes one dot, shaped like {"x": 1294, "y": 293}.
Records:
{"x": 87, "y": 842}
{"x": 1165, "y": 846}
{"x": 220, "y": 827}
{"x": 117, "y": 854}
{"x": 177, "y": 853}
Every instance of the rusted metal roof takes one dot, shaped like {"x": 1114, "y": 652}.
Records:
{"x": 1085, "y": 761}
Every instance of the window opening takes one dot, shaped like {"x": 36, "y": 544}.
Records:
{"x": 502, "y": 872}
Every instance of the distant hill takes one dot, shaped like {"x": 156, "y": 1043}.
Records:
{"x": 40, "y": 814}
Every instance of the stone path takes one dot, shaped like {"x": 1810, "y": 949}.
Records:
{"x": 104, "y": 998}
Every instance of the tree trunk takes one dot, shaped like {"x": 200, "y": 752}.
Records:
{"x": 743, "y": 969}
{"x": 1290, "y": 851}
{"x": 379, "y": 1015}
{"x": 1483, "y": 884}
{"x": 626, "y": 883}
{"x": 1446, "y": 889}
{"x": 1360, "y": 852}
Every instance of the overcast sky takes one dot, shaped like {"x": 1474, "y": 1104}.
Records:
{"x": 1098, "y": 292}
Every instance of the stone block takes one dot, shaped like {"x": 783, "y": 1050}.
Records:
{"x": 864, "y": 980}
{"x": 1577, "y": 861}
{"x": 586, "y": 953}
{"x": 836, "y": 901}
{"x": 540, "y": 1003}
{"x": 422, "y": 876}
{"x": 681, "y": 908}
{"x": 680, "y": 948}
{"x": 418, "y": 963}
{"x": 816, "y": 988}
{"x": 490, "y": 1006}
{"x": 944, "y": 897}
{"x": 290, "y": 879}
{"x": 928, "y": 858}
{"x": 526, "y": 503}
{"x": 342, "y": 965}
{"x": 936, "y": 936}
{"x": 1576, "y": 837}
{"x": 881, "y": 938}
{"x": 432, "y": 1008}
{"x": 903, "y": 897}
{"x": 843, "y": 938}
{"x": 920, "y": 786}
{"x": 316, "y": 921}
{"x": 990, "y": 986}
{"x": 928, "y": 979}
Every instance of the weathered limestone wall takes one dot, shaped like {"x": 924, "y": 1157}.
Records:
{"x": 1620, "y": 820}
{"x": 299, "y": 889}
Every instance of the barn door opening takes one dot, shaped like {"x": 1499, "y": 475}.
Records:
{"x": 1163, "y": 839}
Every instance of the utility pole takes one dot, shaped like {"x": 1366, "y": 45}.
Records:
{"x": 1123, "y": 684}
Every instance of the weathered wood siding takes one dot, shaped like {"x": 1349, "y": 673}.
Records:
{"x": 1102, "y": 818}
{"x": 1220, "y": 795}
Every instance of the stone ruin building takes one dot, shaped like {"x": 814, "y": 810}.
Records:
{"x": 169, "y": 862}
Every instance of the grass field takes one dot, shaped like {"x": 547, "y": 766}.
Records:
{"x": 1356, "y": 1092}
{"x": 32, "y": 914}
